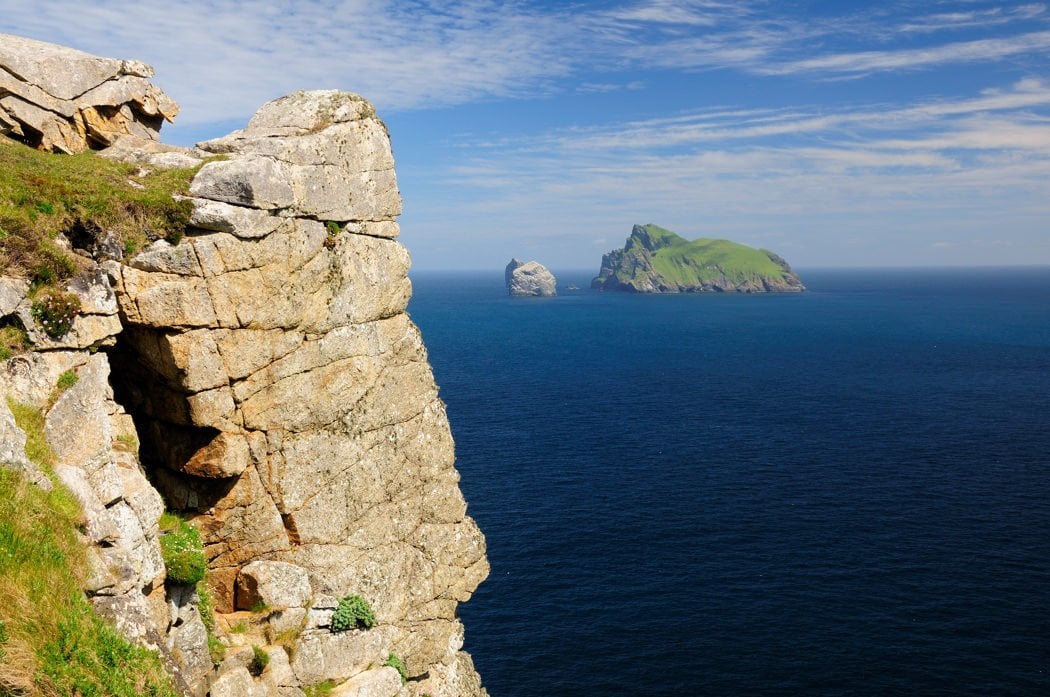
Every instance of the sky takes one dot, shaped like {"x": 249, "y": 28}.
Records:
{"x": 836, "y": 133}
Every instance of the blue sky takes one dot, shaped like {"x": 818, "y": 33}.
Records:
{"x": 837, "y": 133}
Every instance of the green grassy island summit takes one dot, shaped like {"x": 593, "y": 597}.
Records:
{"x": 656, "y": 260}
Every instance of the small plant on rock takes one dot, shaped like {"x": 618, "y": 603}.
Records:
{"x": 397, "y": 664}
{"x": 13, "y": 340}
{"x": 260, "y": 659}
{"x": 353, "y": 612}
{"x": 182, "y": 550}
{"x": 55, "y": 312}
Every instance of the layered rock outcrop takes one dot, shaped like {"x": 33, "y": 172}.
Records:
{"x": 286, "y": 394}
{"x": 283, "y": 402}
{"x": 529, "y": 279}
{"x": 60, "y": 99}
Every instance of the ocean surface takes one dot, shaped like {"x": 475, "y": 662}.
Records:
{"x": 841, "y": 492}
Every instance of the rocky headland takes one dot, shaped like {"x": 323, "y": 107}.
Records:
{"x": 256, "y": 374}
{"x": 655, "y": 260}
{"x": 529, "y": 279}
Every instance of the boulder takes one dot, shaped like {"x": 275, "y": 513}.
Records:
{"x": 529, "y": 279}
{"x": 64, "y": 100}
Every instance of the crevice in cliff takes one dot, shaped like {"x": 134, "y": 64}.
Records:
{"x": 166, "y": 445}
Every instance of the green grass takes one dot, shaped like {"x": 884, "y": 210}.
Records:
{"x": 397, "y": 664}
{"x": 54, "y": 643}
{"x": 692, "y": 263}
{"x": 182, "y": 549}
{"x": 31, "y": 420}
{"x": 321, "y": 689}
{"x": 43, "y": 195}
{"x": 706, "y": 259}
{"x": 13, "y": 341}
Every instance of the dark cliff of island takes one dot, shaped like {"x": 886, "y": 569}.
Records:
{"x": 656, "y": 260}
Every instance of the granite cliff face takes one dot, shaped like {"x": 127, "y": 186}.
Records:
{"x": 529, "y": 279}
{"x": 284, "y": 405}
{"x": 655, "y": 260}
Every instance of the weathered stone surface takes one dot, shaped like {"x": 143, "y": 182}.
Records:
{"x": 379, "y": 682}
{"x": 12, "y": 292}
{"x": 187, "y": 637}
{"x": 334, "y": 156}
{"x": 322, "y": 655}
{"x": 530, "y": 279}
{"x": 275, "y": 584}
{"x": 235, "y": 683}
{"x": 61, "y": 99}
{"x": 12, "y": 449}
{"x": 287, "y": 402}
{"x": 146, "y": 151}
{"x": 247, "y": 223}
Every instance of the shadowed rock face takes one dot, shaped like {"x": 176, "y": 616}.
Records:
{"x": 284, "y": 397}
{"x": 530, "y": 278}
{"x": 60, "y": 99}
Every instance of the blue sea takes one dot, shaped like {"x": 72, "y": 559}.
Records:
{"x": 840, "y": 492}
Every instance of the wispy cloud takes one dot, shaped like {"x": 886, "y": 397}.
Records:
{"x": 902, "y": 59}
{"x": 978, "y": 18}
{"x": 222, "y": 58}
{"x": 981, "y": 163}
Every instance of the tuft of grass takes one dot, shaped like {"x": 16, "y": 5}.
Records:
{"x": 396, "y": 663}
{"x": 260, "y": 659}
{"x": 53, "y": 643}
{"x": 183, "y": 551}
{"x": 43, "y": 195}
{"x": 31, "y": 420}
{"x": 321, "y": 689}
{"x": 66, "y": 380}
{"x": 128, "y": 442}
{"x": 13, "y": 341}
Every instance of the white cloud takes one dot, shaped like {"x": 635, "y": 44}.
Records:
{"x": 958, "y": 52}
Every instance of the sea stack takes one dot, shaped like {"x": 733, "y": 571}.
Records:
{"x": 530, "y": 279}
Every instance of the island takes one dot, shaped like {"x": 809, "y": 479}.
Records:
{"x": 656, "y": 260}
{"x": 529, "y": 279}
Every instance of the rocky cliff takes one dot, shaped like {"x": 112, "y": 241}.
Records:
{"x": 656, "y": 260}
{"x": 284, "y": 405}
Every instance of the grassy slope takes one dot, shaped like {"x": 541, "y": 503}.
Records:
{"x": 687, "y": 263}
{"x": 44, "y": 194}
{"x": 51, "y": 642}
